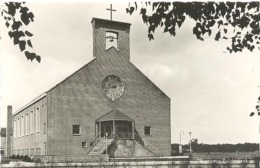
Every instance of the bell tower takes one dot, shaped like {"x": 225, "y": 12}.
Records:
{"x": 110, "y": 39}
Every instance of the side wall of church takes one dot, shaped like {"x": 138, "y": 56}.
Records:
{"x": 30, "y": 139}
{"x": 79, "y": 100}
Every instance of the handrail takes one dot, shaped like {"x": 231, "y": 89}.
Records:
{"x": 96, "y": 140}
{"x": 93, "y": 143}
{"x": 147, "y": 145}
{"x": 111, "y": 136}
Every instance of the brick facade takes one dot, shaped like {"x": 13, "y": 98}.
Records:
{"x": 79, "y": 99}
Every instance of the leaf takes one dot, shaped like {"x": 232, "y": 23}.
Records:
{"x": 30, "y": 16}
{"x": 25, "y": 19}
{"x": 28, "y": 33}
{"x": 24, "y": 10}
{"x": 151, "y": 28}
{"x": 220, "y": 23}
{"x": 29, "y": 43}
{"x": 11, "y": 34}
{"x": 30, "y": 56}
{"x": 16, "y": 25}
{"x": 38, "y": 58}
{"x": 7, "y": 24}
{"x": 11, "y": 8}
{"x": 143, "y": 11}
{"x": 217, "y": 36}
{"x": 22, "y": 45}
{"x": 252, "y": 114}
{"x": 131, "y": 10}
{"x": 150, "y": 36}
{"x": 16, "y": 40}
{"x": 225, "y": 30}
{"x": 179, "y": 23}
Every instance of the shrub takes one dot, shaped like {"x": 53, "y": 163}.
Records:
{"x": 27, "y": 159}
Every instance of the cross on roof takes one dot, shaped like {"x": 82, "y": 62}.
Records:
{"x": 111, "y": 10}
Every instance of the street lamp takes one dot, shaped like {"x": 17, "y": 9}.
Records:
{"x": 106, "y": 141}
{"x": 180, "y": 147}
{"x": 190, "y": 142}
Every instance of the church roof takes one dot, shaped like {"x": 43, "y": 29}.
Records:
{"x": 114, "y": 115}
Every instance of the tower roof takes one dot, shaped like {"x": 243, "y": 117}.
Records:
{"x": 114, "y": 115}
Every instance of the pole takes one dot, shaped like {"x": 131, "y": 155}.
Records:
{"x": 190, "y": 142}
{"x": 106, "y": 143}
{"x": 180, "y": 147}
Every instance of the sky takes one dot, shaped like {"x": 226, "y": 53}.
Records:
{"x": 212, "y": 92}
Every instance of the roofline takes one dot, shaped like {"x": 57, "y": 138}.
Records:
{"x": 150, "y": 81}
{"x": 30, "y": 103}
{"x": 110, "y": 21}
{"x": 45, "y": 93}
{"x": 71, "y": 75}
{"x": 116, "y": 120}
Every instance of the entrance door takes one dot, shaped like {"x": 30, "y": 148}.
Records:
{"x": 123, "y": 131}
{"x": 106, "y": 129}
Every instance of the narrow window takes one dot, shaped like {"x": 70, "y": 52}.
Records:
{"x": 22, "y": 126}
{"x": 84, "y": 144}
{"x": 31, "y": 122}
{"x": 76, "y": 129}
{"x": 111, "y": 40}
{"x": 44, "y": 128}
{"x": 37, "y": 119}
{"x": 147, "y": 130}
{"x": 18, "y": 128}
{"x": 27, "y": 124}
{"x": 15, "y": 129}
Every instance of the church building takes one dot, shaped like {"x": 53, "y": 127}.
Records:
{"x": 106, "y": 106}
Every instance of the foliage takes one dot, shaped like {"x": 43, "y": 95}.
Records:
{"x": 17, "y": 16}
{"x": 237, "y": 21}
{"x": 204, "y": 148}
{"x": 27, "y": 159}
{"x": 257, "y": 107}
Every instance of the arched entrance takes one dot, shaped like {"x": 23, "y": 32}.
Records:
{"x": 115, "y": 124}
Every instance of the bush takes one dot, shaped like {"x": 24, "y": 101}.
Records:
{"x": 13, "y": 157}
{"x": 27, "y": 159}
{"x": 37, "y": 160}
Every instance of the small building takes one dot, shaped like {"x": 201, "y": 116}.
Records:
{"x": 107, "y": 101}
{"x": 3, "y": 141}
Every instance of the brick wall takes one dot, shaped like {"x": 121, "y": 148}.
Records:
{"x": 29, "y": 144}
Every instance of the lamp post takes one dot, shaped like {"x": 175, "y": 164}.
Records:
{"x": 106, "y": 141}
{"x": 190, "y": 142}
{"x": 180, "y": 147}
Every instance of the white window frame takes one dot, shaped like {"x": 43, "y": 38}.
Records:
{"x": 15, "y": 129}
{"x": 31, "y": 122}
{"x": 22, "y": 126}
{"x": 79, "y": 129}
{"x": 27, "y": 122}
{"x": 38, "y": 119}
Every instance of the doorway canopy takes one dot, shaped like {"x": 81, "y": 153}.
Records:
{"x": 115, "y": 123}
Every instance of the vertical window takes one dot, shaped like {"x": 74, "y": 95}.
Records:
{"x": 32, "y": 151}
{"x": 15, "y": 129}
{"x": 22, "y": 126}
{"x": 111, "y": 40}
{"x": 18, "y": 128}
{"x": 84, "y": 144}
{"x": 27, "y": 124}
{"x": 76, "y": 129}
{"x": 147, "y": 130}
{"x": 31, "y": 123}
{"x": 44, "y": 128}
{"x": 37, "y": 119}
